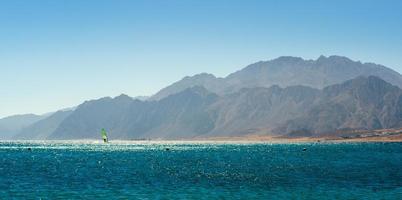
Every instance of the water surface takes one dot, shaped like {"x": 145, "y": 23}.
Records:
{"x": 197, "y": 170}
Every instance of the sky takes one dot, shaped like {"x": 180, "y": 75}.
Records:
{"x": 56, "y": 54}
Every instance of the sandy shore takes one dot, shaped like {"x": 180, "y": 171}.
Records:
{"x": 232, "y": 139}
{"x": 261, "y": 138}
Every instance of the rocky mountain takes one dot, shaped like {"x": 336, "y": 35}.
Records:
{"x": 9, "y": 126}
{"x": 360, "y": 103}
{"x": 89, "y": 117}
{"x": 258, "y": 110}
{"x": 286, "y": 96}
{"x": 182, "y": 115}
{"x": 286, "y": 71}
{"x": 208, "y": 81}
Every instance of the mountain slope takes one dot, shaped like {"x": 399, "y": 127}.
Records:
{"x": 287, "y": 95}
{"x": 177, "y": 116}
{"x": 88, "y": 118}
{"x": 258, "y": 110}
{"x": 10, "y": 126}
{"x": 361, "y": 103}
{"x": 208, "y": 81}
{"x": 42, "y": 129}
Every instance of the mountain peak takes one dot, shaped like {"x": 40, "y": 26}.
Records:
{"x": 208, "y": 81}
{"x": 284, "y": 94}
{"x": 123, "y": 96}
{"x": 285, "y": 71}
{"x": 201, "y": 76}
{"x": 334, "y": 59}
{"x": 288, "y": 59}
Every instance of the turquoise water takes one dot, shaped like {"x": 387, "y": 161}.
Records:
{"x": 200, "y": 171}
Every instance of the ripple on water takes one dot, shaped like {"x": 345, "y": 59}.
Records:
{"x": 194, "y": 170}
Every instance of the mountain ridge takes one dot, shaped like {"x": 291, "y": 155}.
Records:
{"x": 286, "y": 71}
{"x": 361, "y": 103}
{"x": 284, "y": 96}
{"x": 11, "y": 125}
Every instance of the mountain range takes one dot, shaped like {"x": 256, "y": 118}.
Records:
{"x": 286, "y": 71}
{"x": 12, "y": 125}
{"x": 285, "y": 96}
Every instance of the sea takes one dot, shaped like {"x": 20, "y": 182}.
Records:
{"x": 199, "y": 170}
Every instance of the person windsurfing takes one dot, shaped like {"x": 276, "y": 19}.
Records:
{"x": 104, "y": 135}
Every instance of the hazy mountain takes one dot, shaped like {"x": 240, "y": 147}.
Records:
{"x": 183, "y": 115}
{"x": 177, "y": 116}
{"x": 361, "y": 103}
{"x": 285, "y": 96}
{"x": 208, "y": 81}
{"x": 43, "y": 128}
{"x": 9, "y": 126}
{"x": 258, "y": 110}
{"x": 286, "y": 71}
{"x": 141, "y": 98}
{"x": 89, "y": 117}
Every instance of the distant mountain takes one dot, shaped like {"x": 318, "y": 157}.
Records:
{"x": 286, "y": 96}
{"x": 286, "y": 71}
{"x": 361, "y": 103}
{"x": 208, "y": 81}
{"x": 259, "y": 110}
{"x": 141, "y": 98}
{"x": 89, "y": 117}
{"x": 9, "y": 126}
{"x": 43, "y": 128}
{"x": 182, "y": 115}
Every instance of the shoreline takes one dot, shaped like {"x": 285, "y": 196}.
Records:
{"x": 234, "y": 139}
{"x": 397, "y": 138}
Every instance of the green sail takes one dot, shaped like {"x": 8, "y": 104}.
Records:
{"x": 104, "y": 135}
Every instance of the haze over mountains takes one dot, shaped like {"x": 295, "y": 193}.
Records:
{"x": 284, "y": 96}
{"x": 286, "y": 71}
{"x": 9, "y": 126}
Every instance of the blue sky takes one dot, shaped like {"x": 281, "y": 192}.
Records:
{"x": 56, "y": 54}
